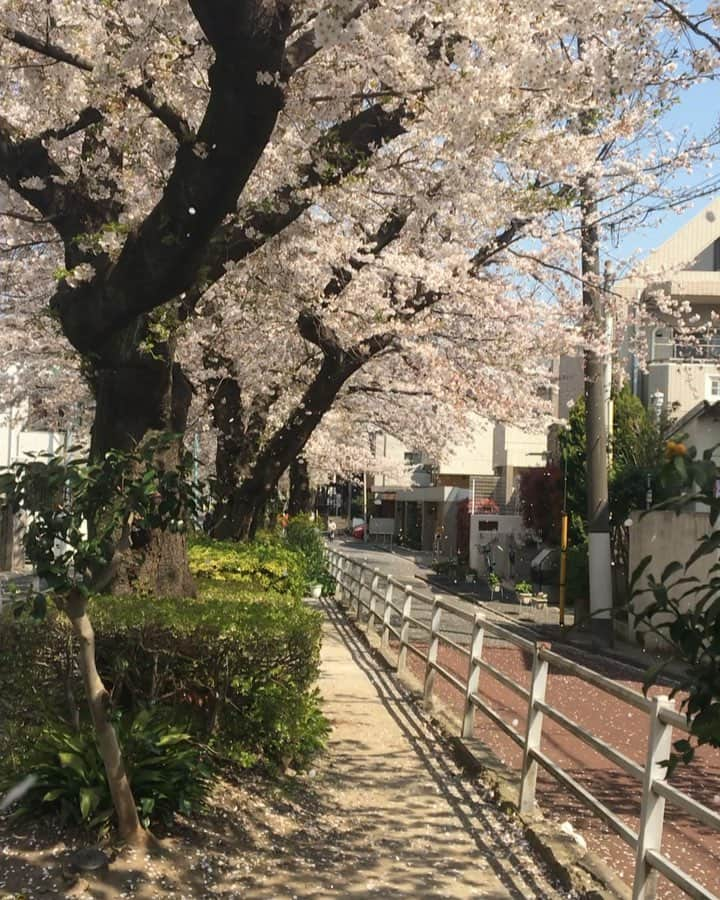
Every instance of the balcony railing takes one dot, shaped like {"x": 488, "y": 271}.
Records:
{"x": 687, "y": 350}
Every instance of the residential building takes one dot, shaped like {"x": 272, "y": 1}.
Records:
{"x": 682, "y": 366}
{"x": 449, "y": 505}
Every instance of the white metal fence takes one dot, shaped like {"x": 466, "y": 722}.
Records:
{"x": 387, "y": 601}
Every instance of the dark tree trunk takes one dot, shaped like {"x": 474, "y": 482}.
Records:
{"x": 226, "y": 404}
{"x": 138, "y": 395}
{"x": 239, "y": 435}
{"x": 286, "y": 444}
{"x": 253, "y": 495}
{"x": 301, "y": 498}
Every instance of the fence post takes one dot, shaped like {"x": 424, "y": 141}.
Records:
{"x": 652, "y": 810}
{"x": 387, "y": 612}
{"x": 332, "y": 563}
{"x": 533, "y": 733}
{"x": 476, "y": 648}
{"x": 372, "y": 615}
{"x": 355, "y": 576}
{"x": 404, "y": 630}
{"x": 362, "y": 586}
{"x": 342, "y": 579}
{"x": 432, "y": 655}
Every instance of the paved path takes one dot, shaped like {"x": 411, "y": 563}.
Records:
{"x": 421, "y": 829}
{"x": 689, "y": 844}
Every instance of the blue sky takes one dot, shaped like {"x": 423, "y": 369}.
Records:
{"x": 700, "y": 111}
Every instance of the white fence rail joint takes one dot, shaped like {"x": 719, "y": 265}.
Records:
{"x": 365, "y": 595}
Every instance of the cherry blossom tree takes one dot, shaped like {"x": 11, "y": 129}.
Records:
{"x": 151, "y": 157}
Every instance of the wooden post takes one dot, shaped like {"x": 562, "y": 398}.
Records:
{"x": 432, "y": 655}
{"x": 342, "y": 566}
{"x": 352, "y": 575}
{"x": 363, "y": 586}
{"x": 372, "y": 615}
{"x": 405, "y": 630}
{"x": 387, "y": 612}
{"x": 533, "y": 734}
{"x": 652, "y": 810}
{"x": 476, "y": 647}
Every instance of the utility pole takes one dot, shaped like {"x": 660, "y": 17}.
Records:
{"x": 599, "y": 558}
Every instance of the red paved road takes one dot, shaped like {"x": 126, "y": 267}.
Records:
{"x": 687, "y": 843}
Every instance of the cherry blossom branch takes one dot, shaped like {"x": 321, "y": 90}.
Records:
{"x": 687, "y": 22}
{"x": 86, "y": 117}
{"x": 162, "y": 111}
{"x": 29, "y": 170}
{"x": 161, "y": 259}
{"x": 339, "y": 152}
{"x": 302, "y": 49}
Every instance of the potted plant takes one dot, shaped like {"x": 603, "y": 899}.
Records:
{"x": 540, "y": 599}
{"x": 494, "y": 582}
{"x": 524, "y": 592}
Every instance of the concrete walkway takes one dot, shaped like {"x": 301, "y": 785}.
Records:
{"x": 420, "y": 829}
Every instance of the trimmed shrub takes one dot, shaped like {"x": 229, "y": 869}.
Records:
{"x": 266, "y": 563}
{"x": 240, "y": 669}
{"x": 303, "y": 536}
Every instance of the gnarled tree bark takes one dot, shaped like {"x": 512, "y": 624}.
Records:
{"x": 140, "y": 393}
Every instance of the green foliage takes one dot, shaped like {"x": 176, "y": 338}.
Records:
{"x": 523, "y": 587}
{"x": 493, "y": 580}
{"x": 302, "y": 535}
{"x": 578, "y": 575}
{"x": 289, "y": 564}
{"x": 238, "y": 666}
{"x": 266, "y": 563}
{"x": 87, "y": 507}
{"x": 683, "y": 607}
{"x": 164, "y": 766}
{"x": 638, "y": 448}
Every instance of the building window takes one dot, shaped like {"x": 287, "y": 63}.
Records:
{"x": 712, "y": 389}
{"x": 413, "y": 458}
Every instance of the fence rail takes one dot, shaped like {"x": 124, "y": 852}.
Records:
{"x": 359, "y": 585}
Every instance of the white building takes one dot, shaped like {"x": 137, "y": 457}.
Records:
{"x": 683, "y": 360}
{"x": 450, "y": 505}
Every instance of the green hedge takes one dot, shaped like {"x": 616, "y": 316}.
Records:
{"x": 240, "y": 668}
{"x": 266, "y": 563}
{"x": 303, "y": 537}
{"x": 289, "y": 563}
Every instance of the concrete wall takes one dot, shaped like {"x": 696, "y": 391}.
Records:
{"x": 16, "y": 445}
{"x": 473, "y": 453}
{"x": 667, "y": 538}
{"x": 703, "y": 433}
{"x": 683, "y": 385}
{"x": 390, "y": 453}
{"x": 507, "y": 528}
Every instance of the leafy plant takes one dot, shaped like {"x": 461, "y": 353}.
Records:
{"x": 493, "y": 580}
{"x": 523, "y": 587}
{"x": 266, "y": 563}
{"x": 88, "y": 508}
{"x": 238, "y": 665}
{"x": 164, "y": 766}
{"x": 303, "y": 536}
